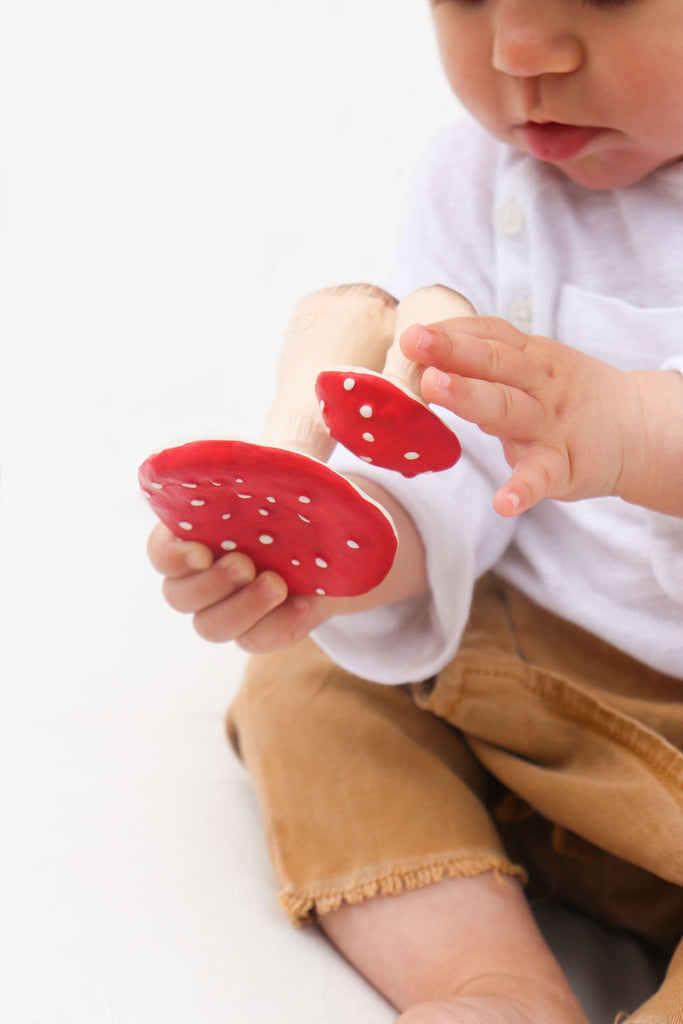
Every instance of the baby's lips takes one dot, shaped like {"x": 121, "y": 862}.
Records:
{"x": 383, "y": 423}
{"x": 286, "y": 511}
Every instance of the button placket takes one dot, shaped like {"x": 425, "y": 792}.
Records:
{"x": 521, "y": 313}
{"x": 515, "y": 302}
{"x": 510, "y": 218}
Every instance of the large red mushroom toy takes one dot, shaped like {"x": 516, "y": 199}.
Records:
{"x": 288, "y": 512}
{"x": 278, "y": 501}
{"x": 381, "y": 417}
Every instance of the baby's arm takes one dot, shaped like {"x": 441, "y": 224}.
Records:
{"x": 229, "y": 601}
{"x": 571, "y": 426}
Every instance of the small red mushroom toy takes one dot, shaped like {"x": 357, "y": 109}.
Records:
{"x": 381, "y": 417}
{"x": 278, "y": 502}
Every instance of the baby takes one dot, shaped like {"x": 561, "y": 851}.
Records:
{"x": 532, "y": 623}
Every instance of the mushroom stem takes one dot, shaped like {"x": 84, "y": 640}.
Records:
{"x": 422, "y": 306}
{"x": 345, "y": 324}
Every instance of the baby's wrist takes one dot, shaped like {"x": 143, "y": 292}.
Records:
{"x": 652, "y": 430}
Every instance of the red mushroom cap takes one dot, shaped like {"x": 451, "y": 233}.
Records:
{"x": 286, "y": 511}
{"x": 384, "y": 424}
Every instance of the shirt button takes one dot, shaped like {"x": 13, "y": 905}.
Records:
{"x": 521, "y": 314}
{"x": 509, "y": 218}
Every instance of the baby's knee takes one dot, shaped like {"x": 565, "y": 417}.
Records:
{"x": 277, "y": 693}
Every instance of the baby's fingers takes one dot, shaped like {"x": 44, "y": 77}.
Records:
{"x": 289, "y": 623}
{"x": 238, "y": 613}
{"x": 498, "y": 409}
{"x": 456, "y": 347}
{"x": 176, "y": 558}
{"x": 539, "y": 474}
{"x": 199, "y": 590}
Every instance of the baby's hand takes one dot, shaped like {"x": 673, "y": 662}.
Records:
{"x": 569, "y": 424}
{"x": 229, "y": 600}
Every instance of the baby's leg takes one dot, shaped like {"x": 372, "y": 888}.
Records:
{"x": 365, "y": 794}
{"x": 461, "y": 951}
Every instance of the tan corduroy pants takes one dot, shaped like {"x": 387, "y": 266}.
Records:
{"x": 539, "y": 752}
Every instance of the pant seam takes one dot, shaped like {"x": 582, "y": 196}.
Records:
{"x": 578, "y": 715}
{"x": 302, "y": 907}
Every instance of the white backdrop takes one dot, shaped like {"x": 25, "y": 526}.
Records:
{"x": 173, "y": 177}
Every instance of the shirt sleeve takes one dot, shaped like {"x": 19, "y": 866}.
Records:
{"x": 463, "y": 537}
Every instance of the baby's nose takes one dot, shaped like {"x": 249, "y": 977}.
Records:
{"x": 527, "y": 43}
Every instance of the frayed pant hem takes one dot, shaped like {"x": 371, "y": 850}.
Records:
{"x": 304, "y": 908}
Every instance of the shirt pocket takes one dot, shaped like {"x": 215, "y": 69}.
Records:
{"x": 627, "y": 336}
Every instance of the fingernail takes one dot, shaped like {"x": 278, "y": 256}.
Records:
{"x": 198, "y": 559}
{"x": 440, "y": 380}
{"x": 238, "y": 573}
{"x": 415, "y": 337}
{"x": 424, "y": 339}
{"x": 271, "y": 589}
{"x": 513, "y": 499}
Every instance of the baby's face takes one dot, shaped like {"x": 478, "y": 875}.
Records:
{"x": 591, "y": 86}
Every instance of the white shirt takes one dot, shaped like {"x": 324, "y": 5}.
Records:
{"x": 601, "y": 271}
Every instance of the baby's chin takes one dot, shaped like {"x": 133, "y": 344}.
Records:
{"x": 601, "y": 174}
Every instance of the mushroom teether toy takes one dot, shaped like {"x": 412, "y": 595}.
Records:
{"x": 288, "y": 512}
{"x": 352, "y": 324}
{"x": 381, "y": 417}
{"x": 278, "y": 502}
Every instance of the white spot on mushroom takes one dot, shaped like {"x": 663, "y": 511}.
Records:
{"x": 352, "y": 544}
{"x": 321, "y": 563}
{"x": 239, "y": 480}
{"x": 411, "y": 456}
{"x": 157, "y": 487}
{"x": 226, "y": 515}
{"x": 263, "y": 512}
{"x": 366, "y": 458}
{"x": 271, "y": 500}
{"x": 295, "y": 561}
{"x": 193, "y": 486}
{"x": 185, "y": 526}
{"x": 197, "y": 502}
{"x": 216, "y": 483}
{"x": 247, "y": 496}
{"x": 349, "y": 384}
{"x": 322, "y": 406}
{"x": 368, "y": 437}
{"x": 265, "y": 538}
{"x": 228, "y": 545}
{"x": 304, "y": 519}
{"x": 366, "y": 411}
{"x": 304, "y": 500}
{"x": 319, "y": 590}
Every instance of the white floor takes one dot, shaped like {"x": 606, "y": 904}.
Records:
{"x": 173, "y": 177}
